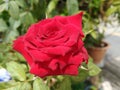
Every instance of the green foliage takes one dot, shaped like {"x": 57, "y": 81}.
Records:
{"x": 3, "y": 25}
{"x": 39, "y": 85}
{"x": 16, "y": 70}
{"x": 65, "y": 84}
{"x": 13, "y": 10}
{"x": 72, "y": 6}
{"x": 17, "y": 15}
{"x": 26, "y": 12}
{"x": 3, "y": 7}
{"x": 51, "y": 7}
{"x": 93, "y": 69}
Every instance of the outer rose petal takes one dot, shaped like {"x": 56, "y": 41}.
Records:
{"x": 19, "y": 46}
{"x": 74, "y": 19}
{"x": 38, "y": 70}
{"x": 85, "y": 54}
{"x": 76, "y": 59}
{"x": 77, "y": 21}
{"x": 71, "y": 69}
{"x": 44, "y": 22}
{"x": 33, "y": 30}
{"x": 73, "y": 34}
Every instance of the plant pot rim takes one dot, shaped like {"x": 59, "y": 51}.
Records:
{"x": 97, "y": 48}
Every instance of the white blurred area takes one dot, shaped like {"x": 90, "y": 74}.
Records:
{"x": 112, "y": 58}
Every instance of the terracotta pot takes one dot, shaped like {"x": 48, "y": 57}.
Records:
{"x": 98, "y": 53}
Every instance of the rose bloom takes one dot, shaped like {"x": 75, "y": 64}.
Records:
{"x": 54, "y": 46}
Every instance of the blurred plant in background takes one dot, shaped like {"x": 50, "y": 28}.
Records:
{"x": 97, "y": 12}
{"x": 15, "y": 18}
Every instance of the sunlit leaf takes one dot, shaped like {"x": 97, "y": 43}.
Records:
{"x": 10, "y": 85}
{"x": 26, "y": 86}
{"x": 3, "y": 7}
{"x": 27, "y": 18}
{"x": 11, "y": 35}
{"x": 65, "y": 84}
{"x": 14, "y": 24}
{"x": 16, "y": 70}
{"x": 3, "y": 25}
{"x": 83, "y": 74}
{"x": 72, "y": 6}
{"x": 20, "y": 3}
{"x": 51, "y": 6}
{"x": 93, "y": 69}
{"x": 39, "y": 85}
{"x": 14, "y": 9}
{"x": 111, "y": 11}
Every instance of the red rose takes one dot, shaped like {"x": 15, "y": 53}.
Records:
{"x": 54, "y": 46}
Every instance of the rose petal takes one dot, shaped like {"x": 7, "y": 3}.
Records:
{"x": 62, "y": 20}
{"x": 73, "y": 34}
{"x": 45, "y": 21}
{"x": 19, "y": 46}
{"x": 77, "y": 21}
{"x": 33, "y": 41}
{"x": 38, "y": 70}
{"x": 74, "y": 19}
{"x": 39, "y": 56}
{"x": 76, "y": 59}
{"x": 56, "y": 64}
{"x": 80, "y": 43}
{"x": 56, "y": 42}
{"x": 58, "y": 50}
{"x": 71, "y": 70}
{"x": 53, "y": 64}
{"x": 51, "y": 27}
{"x": 33, "y": 30}
{"x": 85, "y": 54}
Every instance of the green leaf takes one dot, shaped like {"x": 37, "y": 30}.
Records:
{"x": 34, "y": 1}
{"x": 60, "y": 77}
{"x": 90, "y": 31}
{"x": 3, "y": 7}
{"x": 20, "y": 3}
{"x": 83, "y": 74}
{"x": 72, "y": 6}
{"x": 65, "y": 84}
{"x": 51, "y": 6}
{"x": 14, "y": 24}
{"x": 30, "y": 77}
{"x": 94, "y": 34}
{"x": 26, "y": 86}
{"x": 93, "y": 69}
{"x": 20, "y": 57}
{"x": 11, "y": 35}
{"x": 14, "y": 9}
{"x": 27, "y": 18}
{"x": 25, "y": 67}
{"x": 111, "y": 11}
{"x": 3, "y": 25}
{"x": 10, "y": 85}
{"x": 39, "y": 85}
{"x": 17, "y": 87}
{"x": 16, "y": 70}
